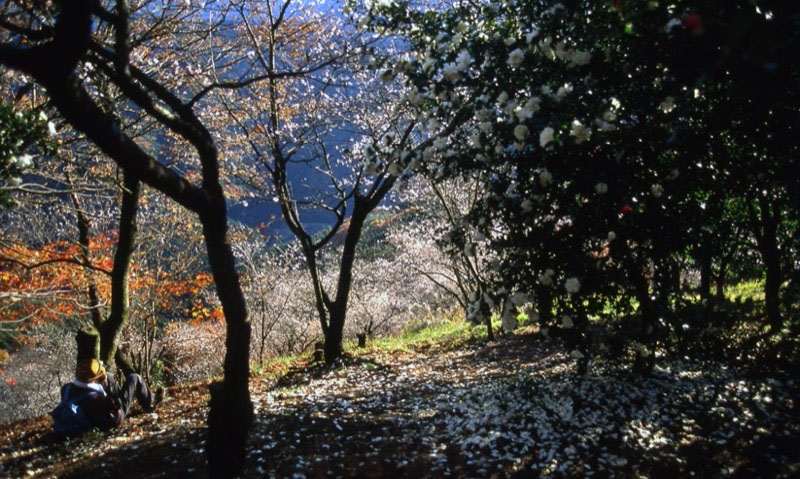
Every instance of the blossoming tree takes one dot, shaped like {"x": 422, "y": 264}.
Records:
{"x": 588, "y": 121}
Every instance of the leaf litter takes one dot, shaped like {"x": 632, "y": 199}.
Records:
{"x": 515, "y": 408}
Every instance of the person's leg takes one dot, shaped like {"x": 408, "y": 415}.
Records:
{"x": 135, "y": 387}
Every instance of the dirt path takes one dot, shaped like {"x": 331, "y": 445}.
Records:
{"x": 509, "y": 409}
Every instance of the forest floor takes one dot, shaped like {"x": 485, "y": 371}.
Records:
{"x": 514, "y": 408}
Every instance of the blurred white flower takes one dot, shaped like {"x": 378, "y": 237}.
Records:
{"x": 546, "y": 136}
{"x": 395, "y": 169}
{"x": 667, "y": 105}
{"x": 580, "y": 58}
{"x": 572, "y": 285}
{"x": 502, "y": 98}
{"x": 612, "y": 236}
{"x": 580, "y": 132}
{"x": 515, "y": 58}
{"x": 23, "y": 161}
{"x": 464, "y": 59}
{"x": 601, "y": 188}
{"x": 546, "y": 278}
{"x": 577, "y": 355}
{"x": 566, "y": 322}
{"x": 521, "y": 132}
{"x": 545, "y": 178}
{"x": 51, "y": 128}
{"x": 657, "y": 190}
{"x": 527, "y": 205}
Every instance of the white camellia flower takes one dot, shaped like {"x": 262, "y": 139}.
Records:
{"x": 563, "y": 91}
{"x": 464, "y": 59}
{"x": 515, "y": 58}
{"x": 502, "y": 98}
{"x": 531, "y": 35}
{"x": 475, "y": 139}
{"x": 23, "y": 161}
{"x": 451, "y": 72}
{"x": 546, "y": 278}
{"x": 572, "y": 285}
{"x": 601, "y": 188}
{"x": 566, "y": 322}
{"x": 667, "y": 105}
{"x": 545, "y": 178}
{"x": 42, "y": 116}
{"x": 673, "y": 174}
{"x": 577, "y": 355}
{"x": 580, "y": 132}
{"x": 531, "y": 106}
{"x": 657, "y": 190}
{"x": 612, "y": 236}
{"x": 51, "y": 128}
{"x": 580, "y": 58}
{"x": 527, "y": 205}
{"x": 521, "y": 132}
{"x": 14, "y": 181}
{"x": 486, "y": 127}
{"x": 395, "y": 169}
{"x": 546, "y": 136}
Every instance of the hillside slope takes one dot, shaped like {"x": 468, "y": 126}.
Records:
{"x": 513, "y": 408}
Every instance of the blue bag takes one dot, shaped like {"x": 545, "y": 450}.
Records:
{"x": 69, "y": 420}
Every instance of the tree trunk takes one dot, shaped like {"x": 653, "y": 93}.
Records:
{"x": 766, "y": 229}
{"x": 120, "y": 300}
{"x": 88, "y": 342}
{"x": 231, "y": 411}
{"x": 337, "y": 310}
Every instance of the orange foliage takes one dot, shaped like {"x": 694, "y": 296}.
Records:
{"x": 49, "y": 283}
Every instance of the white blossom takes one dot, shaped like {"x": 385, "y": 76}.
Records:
{"x": 515, "y": 58}
{"x": 546, "y": 278}
{"x": 601, "y": 188}
{"x": 572, "y": 285}
{"x": 23, "y": 161}
{"x": 395, "y": 169}
{"x": 580, "y": 58}
{"x": 463, "y": 60}
{"x": 51, "y": 128}
{"x": 502, "y": 98}
{"x": 580, "y": 132}
{"x": 527, "y": 205}
{"x": 531, "y": 35}
{"x": 566, "y": 322}
{"x": 520, "y": 132}
{"x": 667, "y": 105}
{"x": 545, "y": 178}
{"x": 546, "y": 136}
{"x": 657, "y": 190}
{"x": 612, "y": 236}
{"x": 563, "y": 91}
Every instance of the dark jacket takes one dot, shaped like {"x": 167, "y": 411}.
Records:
{"x": 102, "y": 411}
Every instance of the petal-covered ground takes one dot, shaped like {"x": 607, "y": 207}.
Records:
{"x": 514, "y": 408}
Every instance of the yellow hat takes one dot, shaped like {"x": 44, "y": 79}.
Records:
{"x": 89, "y": 370}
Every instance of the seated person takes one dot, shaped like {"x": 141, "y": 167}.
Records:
{"x": 106, "y": 404}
